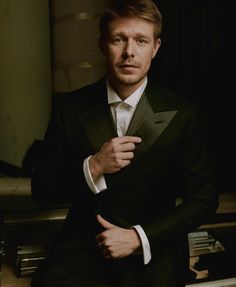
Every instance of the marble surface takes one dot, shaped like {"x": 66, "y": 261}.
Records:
{"x": 9, "y": 279}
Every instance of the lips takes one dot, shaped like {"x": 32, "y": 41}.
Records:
{"x": 128, "y": 66}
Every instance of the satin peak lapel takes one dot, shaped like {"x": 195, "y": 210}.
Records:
{"x": 99, "y": 126}
{"x": 148, "y": 125}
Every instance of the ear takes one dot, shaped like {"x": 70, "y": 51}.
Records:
{"x": 156, "y": 47}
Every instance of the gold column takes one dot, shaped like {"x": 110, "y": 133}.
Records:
{"x": 76, "y": 56}
{"x": 25, "y": 76}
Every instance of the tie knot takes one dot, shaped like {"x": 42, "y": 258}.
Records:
{"x": 122, "y": 105}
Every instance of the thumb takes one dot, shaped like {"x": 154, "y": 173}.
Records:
{"x": 104, "y": 223}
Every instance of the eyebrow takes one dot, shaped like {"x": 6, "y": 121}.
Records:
{"x": 138, "y": 35}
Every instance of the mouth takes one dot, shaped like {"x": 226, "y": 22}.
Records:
{"x": 128, "y": 68}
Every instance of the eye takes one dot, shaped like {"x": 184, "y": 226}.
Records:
{"x": 117, "y": 40}
{"x": 141, "y": 41}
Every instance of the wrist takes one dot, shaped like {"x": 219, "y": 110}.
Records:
{"x": 94, "y": 167}
{"x": 137, "y": 241}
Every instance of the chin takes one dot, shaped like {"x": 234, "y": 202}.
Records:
{"x": 129, "y": 79}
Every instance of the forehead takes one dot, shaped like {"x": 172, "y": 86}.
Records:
{"x": 130, "y": 26}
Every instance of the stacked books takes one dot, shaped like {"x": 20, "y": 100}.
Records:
{"x": 212, "y": 255}
{"x": 28, "y": 257}
{"x": 203, "y": 242}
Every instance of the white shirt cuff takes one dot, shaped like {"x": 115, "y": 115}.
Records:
{"x": 95, "y": 186}
{"x": 145, "y": 244}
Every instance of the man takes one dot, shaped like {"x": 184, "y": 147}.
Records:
{"x": 121, "y": 151}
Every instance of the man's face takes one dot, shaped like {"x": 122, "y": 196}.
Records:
{"x": 129, "y": 49}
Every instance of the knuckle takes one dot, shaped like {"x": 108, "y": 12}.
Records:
{"x": 116, "y": 159}
{"x": 110, "y": 249}
{"x": 111, "y": 252}
{"x": 113, "y": 150}
{"x": 125, "y": 163}
{"x": 132, "y": 146}
{"x": 106, "y": 242}
{"x": 113, "y": 141}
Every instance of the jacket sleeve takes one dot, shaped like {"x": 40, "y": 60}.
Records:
{"x": 57, "y": 178}
{"x": 198, "y": 191}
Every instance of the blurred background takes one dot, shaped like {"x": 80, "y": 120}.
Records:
{"x": 50, "y": 46}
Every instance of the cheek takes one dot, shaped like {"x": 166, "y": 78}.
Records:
{"x": 112, "y": 55}
{"x": 148, "y": 59}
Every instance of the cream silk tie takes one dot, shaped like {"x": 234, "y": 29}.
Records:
{"x": 122, "y": 112}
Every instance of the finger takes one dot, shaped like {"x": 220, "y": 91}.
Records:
{"x": 123, "y": 147}
{"x": 122, "y": 159}
{"x": 104, "y": 223}
{"x": 103, "y": 250}
{"x": 126, "y": 155}
{"x": 126, "y": 146}
{"x": 108, "y": 257}
{"x": 120, "y": 156}
{"x": 129, "y": 139}
{"x": 120, "y": 162}
{"x": 99, "y": 240}
{"x": 100, "y": 245}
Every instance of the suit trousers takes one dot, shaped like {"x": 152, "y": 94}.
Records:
{"x": 85, "y": 267}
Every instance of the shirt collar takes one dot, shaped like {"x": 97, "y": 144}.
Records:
{"x": 132, "y": 100}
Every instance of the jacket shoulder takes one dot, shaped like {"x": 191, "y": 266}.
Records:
{"x": 169, "y": 98}
{"x": 83, "y": 96}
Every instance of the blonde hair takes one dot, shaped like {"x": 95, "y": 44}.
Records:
{"x": 142, "y": 9}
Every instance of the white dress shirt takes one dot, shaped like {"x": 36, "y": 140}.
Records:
{"x": 122, "y": 112}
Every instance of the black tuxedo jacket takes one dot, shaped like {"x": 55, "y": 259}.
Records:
{"x": 171, "y": 161}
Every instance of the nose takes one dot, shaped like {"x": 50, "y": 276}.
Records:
{"x": 129, "y": 50}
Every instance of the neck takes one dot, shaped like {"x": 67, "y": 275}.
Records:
{"x": 125, "y": 90}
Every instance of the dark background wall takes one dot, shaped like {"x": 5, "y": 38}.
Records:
{"x": 196, "y": 60}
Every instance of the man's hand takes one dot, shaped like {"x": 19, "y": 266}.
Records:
{"x": 116, "y": 242}
{"x": 113, "y": 155}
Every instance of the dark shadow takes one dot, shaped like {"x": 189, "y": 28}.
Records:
{"x": 34, "y": 152}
